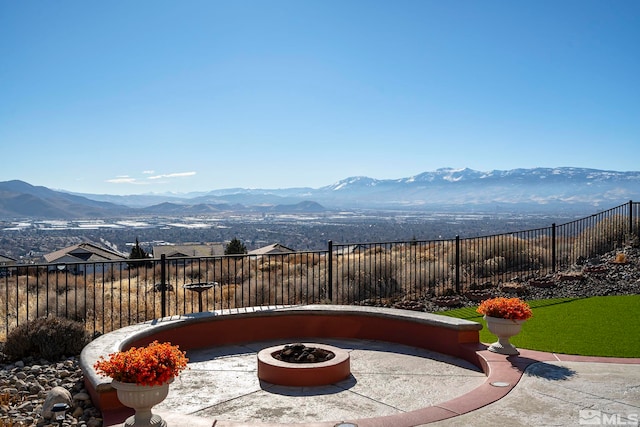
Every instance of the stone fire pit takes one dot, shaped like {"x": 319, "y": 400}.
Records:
{"x": 303, "y": 364}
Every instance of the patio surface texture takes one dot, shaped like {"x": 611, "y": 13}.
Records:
{"x": 221, "y": 389}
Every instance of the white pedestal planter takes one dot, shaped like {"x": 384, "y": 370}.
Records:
{"x": 142, "y": 398}
{"x": 504, "y": 329}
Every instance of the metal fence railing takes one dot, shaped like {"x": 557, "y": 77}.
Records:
{"x": 109, "y": 295}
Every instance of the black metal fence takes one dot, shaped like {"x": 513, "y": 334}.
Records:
{"x": 109, "y": 295}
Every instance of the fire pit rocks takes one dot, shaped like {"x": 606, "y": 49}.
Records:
{"x": 300, "y": 353}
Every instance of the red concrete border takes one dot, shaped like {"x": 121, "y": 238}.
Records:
{"x": 441, "y": 337}
{"x": 442, "y": 334}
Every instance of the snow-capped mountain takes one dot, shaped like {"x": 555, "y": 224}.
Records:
{"x": 446, "y": 188}
{"x": 470, "y": 187}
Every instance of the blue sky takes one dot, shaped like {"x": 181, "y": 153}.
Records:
{"x": 129, "y": 97}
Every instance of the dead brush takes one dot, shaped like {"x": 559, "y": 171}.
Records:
{"x": 8, "y": 399}
{"x": 375, "y": 250}
{"x": 6, "y": 422}
{"x": 303, "y": 259}
{"x": 195, "y": 272}
{"x": 270, "y": 265}
{"x": 621, "y": 258}
{"x": 227, "y": 297}
{"x": 426, "y": 256}
{"x": 606, "y": 235}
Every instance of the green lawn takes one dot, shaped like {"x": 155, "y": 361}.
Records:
{"x": 597, "y": 326}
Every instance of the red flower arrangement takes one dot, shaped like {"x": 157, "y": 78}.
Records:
{"x": 154, "y": 364}
{"x": 505, "y": 308}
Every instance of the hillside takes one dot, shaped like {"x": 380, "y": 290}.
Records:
{"x": 538, "y": 189}
{"x": 20, "y": 199}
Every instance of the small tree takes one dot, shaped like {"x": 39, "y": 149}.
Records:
{"x": 235, "y": 247}
{"x": 138, "y": 253}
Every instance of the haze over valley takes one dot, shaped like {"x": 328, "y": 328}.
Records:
{"x": 432, "y": 205}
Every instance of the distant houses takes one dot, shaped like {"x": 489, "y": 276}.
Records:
{"x": 90, "y": 257}
{"x": 5, "y": 264}
{"x": 6, "y": 261}
{"x": 275, "y": 248}
{"x": 95, "y": 258}
{"x": 188, "y": 250}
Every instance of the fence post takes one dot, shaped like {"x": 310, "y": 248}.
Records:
{"x": 553, "y": 247}
{"x": 630, "y": 219}
{"x": 163, "y": 285}
{"x": 330, "y": 270}
{"x": 458, "y": 264}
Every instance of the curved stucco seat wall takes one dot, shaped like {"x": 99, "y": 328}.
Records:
{"x": 447, "y": 335}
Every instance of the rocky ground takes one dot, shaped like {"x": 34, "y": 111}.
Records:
{"x": 30, "y": 387}
{"x": 27, "y": 386}
{"x": 600, "y": 276}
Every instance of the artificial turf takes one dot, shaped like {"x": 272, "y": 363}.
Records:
{"x": 596, "y": 326}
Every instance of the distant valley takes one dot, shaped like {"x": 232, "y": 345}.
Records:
{"x": 29, "y": 240}
{"x": 519, "y": 190}
{"x": 441, "y": 204}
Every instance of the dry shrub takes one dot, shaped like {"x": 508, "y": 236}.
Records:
{"x": 493, "y": 266}
{"x": 281, "y": 287}
{"x": 374, "y": 250}
{"x": 470, "y": 252}
{"x": 194, "y": 272}
{"x": 174, "y": 268}
{"x": 270, "y": 265}
{"x": 111, "y": 274}
{"x": 365, "y": 278}
{"x": 491, "y": 256}
{"x": 235, "y": 270}
{"x": 46, "y": 337}
{"x": 215, "y": 271}
{"x": 540, "y": 256}
{"x": 71, "y": 304}
{"x": 254, "y": 293}
{"x": 227, "y": 297}
{"x": 302, "y": 285}
{"x": 306, "y": 259}
{"x": 301, "y": 291}
{"x": 422, "y": 276}
{"x": 605, "y": 236}
{"x": 425, "y": 255}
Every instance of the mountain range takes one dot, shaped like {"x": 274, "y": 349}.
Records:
{"x": 564, "y": 188}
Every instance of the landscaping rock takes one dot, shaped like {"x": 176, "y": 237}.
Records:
{"x": 55, "y": 395}
{"x": 32, "y": 387}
